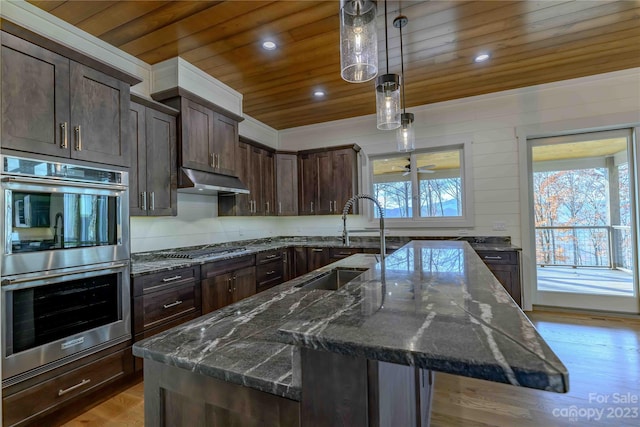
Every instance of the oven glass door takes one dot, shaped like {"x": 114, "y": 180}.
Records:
{"x": 57, "y": 220}
{"x": 58, "y": 314}
{"x": 54, "y": 225}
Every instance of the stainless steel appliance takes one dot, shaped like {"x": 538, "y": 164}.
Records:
{"x": 65, "y": 263}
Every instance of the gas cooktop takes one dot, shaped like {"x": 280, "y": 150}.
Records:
{"x": 203, "y": 252}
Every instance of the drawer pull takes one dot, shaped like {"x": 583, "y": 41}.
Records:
{"x": 317, "y": 250}
{"x": 172, "y": 278}
{"x": 492, "y": 257}
{"x": 78, "y": 138}
{"x": 173, "y": 304}
{"x": 65, "y": 135}
{"x": 62, "y": 392}
{"x": 269, "y": 273}
{"x": 344, "y": 253}
{"x": 271, "y": 256}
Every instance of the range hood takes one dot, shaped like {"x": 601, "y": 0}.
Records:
{"x": 198, "y": 182}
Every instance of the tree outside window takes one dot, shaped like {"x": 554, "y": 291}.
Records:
{"x": 433, "y": 179}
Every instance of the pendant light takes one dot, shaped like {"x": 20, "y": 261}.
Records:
{"x": 387, "y": 91}
{"x": 358, "y": 40}
{"x": 405, "y": 135}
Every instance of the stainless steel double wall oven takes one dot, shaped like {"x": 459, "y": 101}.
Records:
{"x": 65, "y": 263}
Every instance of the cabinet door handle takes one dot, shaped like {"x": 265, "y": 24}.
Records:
{"x": 317, "y": 250}
{"x": 153, "y": 200}
{"x": 335, "y": 206}
{"x": 344, "y": 253}
{"x": 172, "y": 278}
{"x": 216, "y": 163}
{"x": 143, "y": 198}
{"x": 173, "y": 304}
{"x": 229, "y": 284}
{"x": 267, "y": 207}
{"x": 330, "y": 206}
{"x": 279, "y": 207}
{"x": 492, "y": 257}
{"x": 271, "y": 256}
{"x": 84, "y": 382}
{"x": 78, "y": 138}
{"x": 64, "y": 137}
{"x": 269, "y": 273}
{"x": 311, "y": 207}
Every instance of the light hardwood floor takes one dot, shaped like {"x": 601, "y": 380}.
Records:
{"x": 602, "y": 355}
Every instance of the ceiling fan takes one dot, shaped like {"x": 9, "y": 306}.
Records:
{"x": 423, "y": 169}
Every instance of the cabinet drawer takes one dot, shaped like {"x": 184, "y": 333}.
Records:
{"x": 158, "y": 281}
{"x": 35, "y": 400}
{"x": 213, "y": 269}
{"x": 270, "y": 256}
{"x": 163, "y": 306}
{"x": 499, "y": 257}
{"x": 268, "y": 275}
{"x": 339, "y": 253}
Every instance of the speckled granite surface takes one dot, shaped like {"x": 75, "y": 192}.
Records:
{"x": 442, "y": 310}
{"x": 152, "y": 262}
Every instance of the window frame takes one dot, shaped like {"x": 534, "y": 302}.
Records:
{"x": 465, "y": 220}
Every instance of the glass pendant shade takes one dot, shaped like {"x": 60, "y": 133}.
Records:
{"x": 388, "y": 101}
{"x": 406, "y": 136}
{"x": 358, "y": 40}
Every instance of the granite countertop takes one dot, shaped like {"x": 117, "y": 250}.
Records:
{"x": 156, "y": 261}
{"x": 442, "y": 310}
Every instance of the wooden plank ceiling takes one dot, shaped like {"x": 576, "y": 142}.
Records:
{"x": 530, "y": 42}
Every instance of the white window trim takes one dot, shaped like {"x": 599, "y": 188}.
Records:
{"x": 467, "y": 219}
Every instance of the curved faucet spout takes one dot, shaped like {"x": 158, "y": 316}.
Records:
{"x": 345, "y": 232}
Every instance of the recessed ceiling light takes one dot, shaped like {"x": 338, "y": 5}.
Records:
{"x": 269, "y": 45}
{"x": 482, "y": 57}
{"x": 318, "y": 93}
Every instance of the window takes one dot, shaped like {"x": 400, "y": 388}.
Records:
{"x": 425, "y": 187}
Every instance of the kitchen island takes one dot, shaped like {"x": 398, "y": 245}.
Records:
{"x": 367, "y": 351}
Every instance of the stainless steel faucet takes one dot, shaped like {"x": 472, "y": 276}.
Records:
{"x": 345, "y": 232}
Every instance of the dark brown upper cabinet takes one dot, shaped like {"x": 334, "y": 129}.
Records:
{"x": 286, "y": 184}
{"x": 153, "y": 174}
{"x": 255, "y": 167}
{"x": 57, "y": 106}
{"x": 208, "y": 134}
{"x": 327, "y": 179}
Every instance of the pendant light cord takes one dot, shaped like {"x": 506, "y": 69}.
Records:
{"x": 404, "y": 100}
{"x": 386, "y": 35}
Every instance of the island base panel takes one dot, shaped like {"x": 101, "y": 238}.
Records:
{"x": 176, "y": 397}
{"x": 344, "y": 390}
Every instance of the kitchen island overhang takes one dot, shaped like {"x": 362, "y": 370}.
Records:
{"x": 438, "y": 308}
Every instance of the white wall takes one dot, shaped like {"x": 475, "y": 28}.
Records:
{"x": 490, "y": 121}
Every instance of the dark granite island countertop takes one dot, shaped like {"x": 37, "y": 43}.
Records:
{"x": 440, "y": 309}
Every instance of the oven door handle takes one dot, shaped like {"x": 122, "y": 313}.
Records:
{"x": 19, "y": 280}
{"x": 53, "y": 181}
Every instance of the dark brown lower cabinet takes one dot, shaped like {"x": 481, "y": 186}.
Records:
{"x": 269, "y": 269}
{"x": 33, "y": 401}
{"x": 300, "y": 262}
{"x": 288, "y": 264}
{"x": 336, "y": 254}
{"x": 225, "y": 282}
{"x": 505, "y": 265}
{"x": 317, "y": 257}
{"x": 179, "y": 397}
{"x": 164, "y": 300}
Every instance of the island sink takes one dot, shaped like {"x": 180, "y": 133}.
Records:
{"x": 332, "y": 280}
